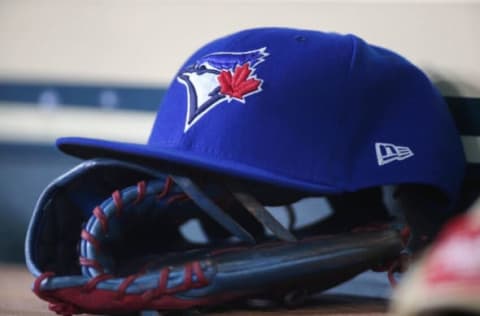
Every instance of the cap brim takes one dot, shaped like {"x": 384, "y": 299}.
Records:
{"x": 176, "y": 160}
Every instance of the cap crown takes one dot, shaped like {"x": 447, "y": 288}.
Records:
{"x": 311, "y": 106}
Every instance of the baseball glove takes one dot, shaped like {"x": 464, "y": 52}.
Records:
{"x": 94, "y": 251}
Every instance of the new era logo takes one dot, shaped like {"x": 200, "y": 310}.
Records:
{"x": 387, "y": 153}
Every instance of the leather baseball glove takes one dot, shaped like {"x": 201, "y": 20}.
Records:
{"x": 108, "y": 237}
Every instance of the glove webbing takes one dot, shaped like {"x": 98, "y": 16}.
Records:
{"x": 120, "y": 199}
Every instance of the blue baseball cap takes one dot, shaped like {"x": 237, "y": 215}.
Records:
{"x": 299, "y": 109}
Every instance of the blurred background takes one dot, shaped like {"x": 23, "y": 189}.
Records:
{"x": 100, "y": 68}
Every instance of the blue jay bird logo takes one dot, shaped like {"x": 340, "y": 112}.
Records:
{"x": 219, "y": 77}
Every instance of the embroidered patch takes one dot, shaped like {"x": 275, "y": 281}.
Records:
{"x": 387, "y": 153}
{"x": 219, "y": 77}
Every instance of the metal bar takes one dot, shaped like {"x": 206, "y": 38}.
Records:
{"x": 207, "y": 205}
{"x": 263, "y": 216}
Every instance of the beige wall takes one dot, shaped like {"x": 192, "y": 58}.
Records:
{"x": 144, "y": 42}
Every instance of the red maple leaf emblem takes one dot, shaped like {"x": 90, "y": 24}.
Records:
{"x": 237, "y": 84}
